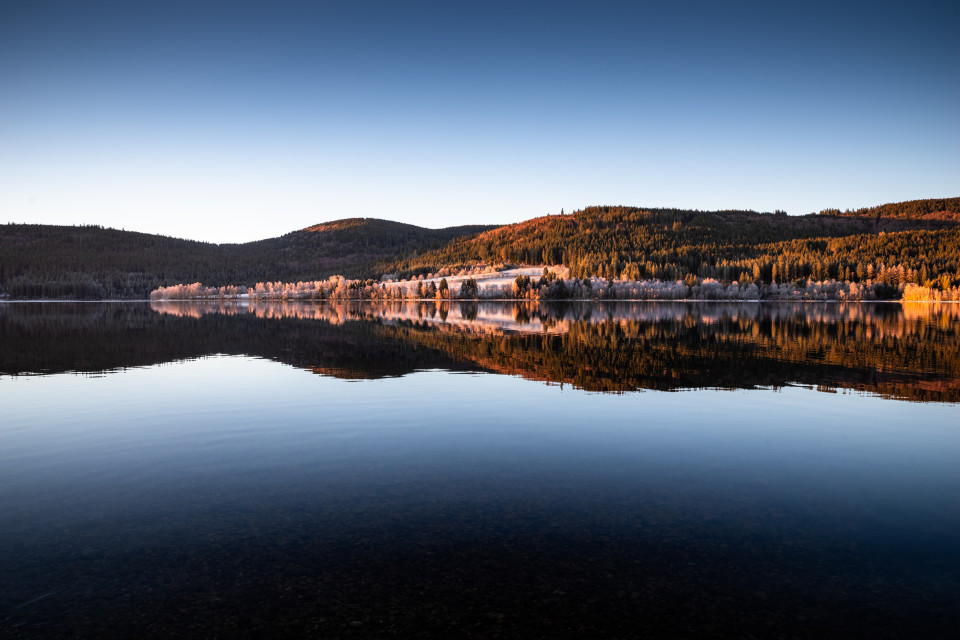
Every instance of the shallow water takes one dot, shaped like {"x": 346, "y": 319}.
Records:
{"x": 479, "y": 470}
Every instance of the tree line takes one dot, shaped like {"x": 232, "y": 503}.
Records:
{"x": 942, "y": 208}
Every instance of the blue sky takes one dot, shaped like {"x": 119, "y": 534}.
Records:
{"x": 238, "y": 121}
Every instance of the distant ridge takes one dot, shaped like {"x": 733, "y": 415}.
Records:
{"x": 932, "y": 209}
{"x": 391, "y": 226}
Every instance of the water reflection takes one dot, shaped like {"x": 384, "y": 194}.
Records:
{"x": 907, "y": 351}
{"x": 227, "y": 495}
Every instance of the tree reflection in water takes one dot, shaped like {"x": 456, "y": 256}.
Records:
{"x": 908, "y": 351}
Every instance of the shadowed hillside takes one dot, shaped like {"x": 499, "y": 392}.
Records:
{"x": 45, "y": 261}
{"x": 351, "y": 247}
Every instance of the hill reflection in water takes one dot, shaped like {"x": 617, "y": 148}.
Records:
{"x": 908, "y": 351}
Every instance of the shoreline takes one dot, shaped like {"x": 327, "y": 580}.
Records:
{"x": 466, "y": 300}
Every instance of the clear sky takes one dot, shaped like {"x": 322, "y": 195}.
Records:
{"x": 236, "y": 121}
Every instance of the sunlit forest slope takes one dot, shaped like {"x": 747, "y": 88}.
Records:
{"x": 672, "y": 244}
{"x": 932, "y": 209}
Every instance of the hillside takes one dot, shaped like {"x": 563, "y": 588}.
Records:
{"x": 932, "y": 209}
{"x": 45, "y": 261}
{"x": 352, "y": 247}
{"x": 672, "y": 244}
{"x": 889, "y": 245}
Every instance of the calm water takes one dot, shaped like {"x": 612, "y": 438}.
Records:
{"x": 491, "y": 470}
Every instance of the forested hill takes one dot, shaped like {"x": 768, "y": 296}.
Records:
{"x": 894, "y": 244}
{"x": 672, "y": 244}
{"x": 45, "y": 261}
{"x": 932, "y": 209}
{"x": 352, "y": 247}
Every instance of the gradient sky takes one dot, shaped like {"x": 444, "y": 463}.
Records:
{"x": 243, "y": 120}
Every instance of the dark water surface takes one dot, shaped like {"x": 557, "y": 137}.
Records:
{"x": 479, "y": 470}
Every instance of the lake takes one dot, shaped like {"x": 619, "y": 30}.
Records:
{"x": 479, "y": 470}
